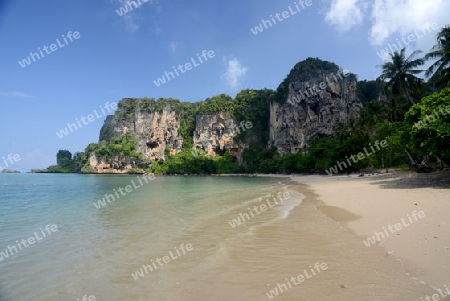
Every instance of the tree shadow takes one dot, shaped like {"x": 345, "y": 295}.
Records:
{"x": 412, "y": 180}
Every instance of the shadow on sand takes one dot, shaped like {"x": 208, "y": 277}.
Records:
{"x": 411, "y": 180}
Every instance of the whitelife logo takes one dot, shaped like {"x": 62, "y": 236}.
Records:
{"x": 27, "y": 61}
{"x": 110, "y": 198}
{"x": 398, "y": 226}
{"x": 243, "y": 217}
{"x": 12, "y": 158}
{"x": 11, "y": 250}
{"x": 166, "y": 259}
{"x": 360, "y": 156}
{"x": 385, "y": 54}
{"x": 188, "y": 66}
{"x": 435, "y": 297}
{"x": 266, "y": 24}
{"x": 300, "y": 278}
{"x": 86, "y": 298}
{"x": 90, "y": 118}
{"x": 433, "y": 117}
{"x": 314, "y": 90}
{"x": 124, "y": 10}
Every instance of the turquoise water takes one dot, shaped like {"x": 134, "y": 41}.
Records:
{"x": 95, "y": 251}
{"x": 107, "y": 252}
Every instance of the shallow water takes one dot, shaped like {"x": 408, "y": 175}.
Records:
{"x": 95, "y": 251}
{"x": 98, "y": 251}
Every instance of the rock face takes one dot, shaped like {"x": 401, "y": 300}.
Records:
{"x": 117, "y": 164}
{"x": 314, "y": 97}
{"x": 155, "y": 130}
{"x": 314, "y": 103}
{"x": 214, "y": 133}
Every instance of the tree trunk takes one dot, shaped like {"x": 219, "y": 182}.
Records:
{"x": 410, "y": 98}
{"x": 411, "y": 159}
{"x": 425, "y": 160}
{"x": 439, "y": 162}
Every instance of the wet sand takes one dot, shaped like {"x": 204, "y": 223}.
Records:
{"x": 253, "y": 263}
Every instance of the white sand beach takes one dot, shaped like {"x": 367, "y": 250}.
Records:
{"x": 367, "y": 204}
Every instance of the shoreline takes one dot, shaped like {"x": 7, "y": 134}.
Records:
{"x": 369, "y": 205}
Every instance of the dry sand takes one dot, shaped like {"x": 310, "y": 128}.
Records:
{"x": 367, "y": 204}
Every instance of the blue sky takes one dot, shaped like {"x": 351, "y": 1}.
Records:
{"x": 120, "y": 56}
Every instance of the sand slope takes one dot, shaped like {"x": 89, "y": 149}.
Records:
{"x": 366, "y": 205}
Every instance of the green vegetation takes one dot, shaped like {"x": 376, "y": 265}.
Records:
{"x": 400, "y": 78}
{"x": 195, "y": 162}
{"x": 122, "y": 149}
{"x": 127, "y": 107}
{"x": 64, "y": 163}
{"x": 124, "y": 146}
{"x": 369, "y": 91}
{"x": 411, "y": 113}
{"x": 106, "y": 132}
{"x": 430, "y": 134}
{"x": 440, "y": 69}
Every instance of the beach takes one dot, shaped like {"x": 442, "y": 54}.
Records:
{"x": 365, "y": 205}
{"x": 226, "y": 238}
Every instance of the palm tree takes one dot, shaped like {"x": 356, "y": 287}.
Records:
{"x": 351, "y": 128}
{"x": 371, "y": 114}
{"x": 440, "y": 70}
{"x": 400, "y": 76}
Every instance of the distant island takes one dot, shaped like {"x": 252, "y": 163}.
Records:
{"x": 10, "y": 171}
{"x": 37, "y": 171}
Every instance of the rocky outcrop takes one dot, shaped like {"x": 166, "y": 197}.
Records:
{"x": 156, "y": 130}
{"x": 314, "y": 97}
{"x": 115, "y": 165}
{"x": 214, "y": 134}
{"x": 314, "y": 102}
{"x": 10, "y": 171}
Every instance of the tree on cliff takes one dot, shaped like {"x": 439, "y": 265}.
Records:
{"x": 440, "y": 70}
{"x": 63, "y": 156}
{"x": 64, "y": 163}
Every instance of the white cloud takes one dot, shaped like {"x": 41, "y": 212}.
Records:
{"x": 132, "y": 17}
{"x": 173, "y": 47}
{"x": 16, "y": 94}
{"x": 234, "y": 73}
{"x": 403, "y": 17}
{"x": 389, "y": 18}
{"x": 345, "y": 13}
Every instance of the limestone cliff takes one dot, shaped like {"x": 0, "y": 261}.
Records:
{"x": 117, "y": 164}
{"x": 311, "y": 102}
{"x": 214, "y": 133}
{"x": 156, "y": 129}
{"x": 314, "y": 97}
